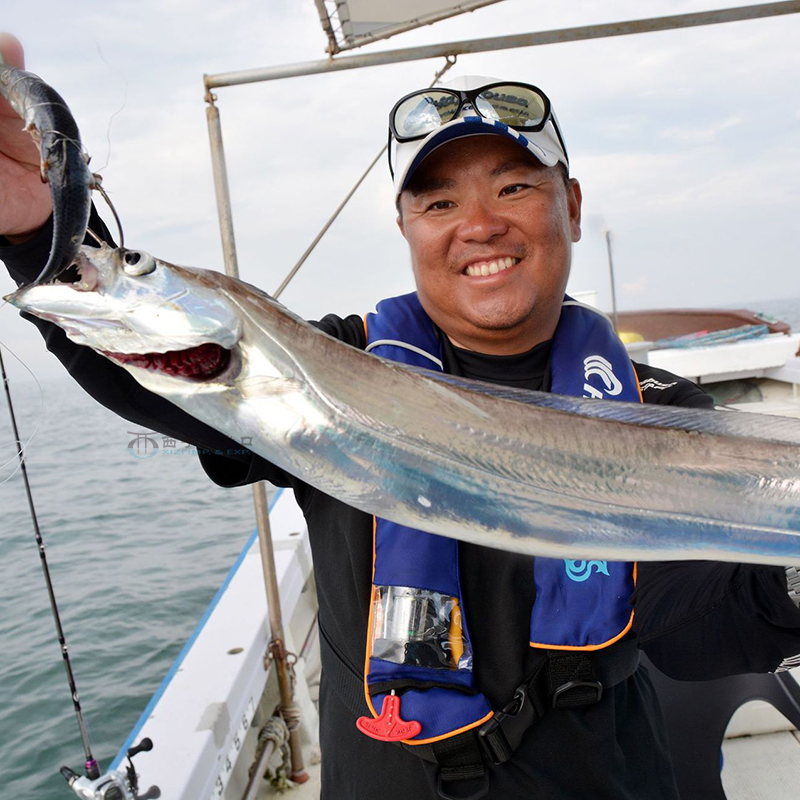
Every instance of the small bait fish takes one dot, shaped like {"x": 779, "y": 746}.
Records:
{"x": 64, "y": 165}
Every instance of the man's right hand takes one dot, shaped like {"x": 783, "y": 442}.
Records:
{"x": 25, "y": 203}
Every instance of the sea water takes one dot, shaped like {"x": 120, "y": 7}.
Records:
{"x": 138, "y": 541}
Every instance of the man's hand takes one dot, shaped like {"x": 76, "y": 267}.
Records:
{"x": 25, "y": 203}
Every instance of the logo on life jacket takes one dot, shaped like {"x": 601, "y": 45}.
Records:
{"x": 580, "y": 571}
{"x": 597, "y": 365}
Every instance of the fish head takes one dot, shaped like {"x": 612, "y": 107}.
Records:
{"x": 170, "y": 327}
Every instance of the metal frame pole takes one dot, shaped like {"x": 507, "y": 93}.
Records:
{"x": 613, "y": 287}
{"x": 254, "y": 784}
{"x": 327, "y": 26}
{"x": 758, "y": 11}
{"x": 221, "y": 187}
{"x": 277, "y": 648}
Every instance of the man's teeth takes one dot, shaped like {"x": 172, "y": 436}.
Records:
{"x": 491, "y": 267}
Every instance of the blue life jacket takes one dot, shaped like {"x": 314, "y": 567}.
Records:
{"x": 579, "y": 605}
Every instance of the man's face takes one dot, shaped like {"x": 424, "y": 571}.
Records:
{"x": 483, "y": 204}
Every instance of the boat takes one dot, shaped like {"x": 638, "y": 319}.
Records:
{"x": 210, "y": 717}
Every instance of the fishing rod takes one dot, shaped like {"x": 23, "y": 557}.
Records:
{"x": 114, "y": 785}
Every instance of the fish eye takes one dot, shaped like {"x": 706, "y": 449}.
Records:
{"x": 137, "y": 262}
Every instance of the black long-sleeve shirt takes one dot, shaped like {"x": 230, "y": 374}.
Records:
{"x": 696, "y": 620}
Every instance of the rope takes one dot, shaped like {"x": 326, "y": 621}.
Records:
{"x": 291, "y": 716}
{"x": 449, "y": 62}
{"x": 277, "y": 732}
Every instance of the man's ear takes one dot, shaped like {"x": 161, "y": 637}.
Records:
{"x": 400, "y": 225}
{"x": 574, "y": 200}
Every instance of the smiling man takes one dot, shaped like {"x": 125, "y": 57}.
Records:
{"x": 451, "y": 670}
{"x": 490, "y": 230}
{"x": 490, "y": 218}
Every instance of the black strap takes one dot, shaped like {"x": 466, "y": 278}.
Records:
{"x": 572, "y": 682}
{"x": 563, "y": 679}
{"x": 501, "y": 735}
{"x": 462, "y": 774}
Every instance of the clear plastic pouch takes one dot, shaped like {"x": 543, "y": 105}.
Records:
{"x": 419, "y": 628}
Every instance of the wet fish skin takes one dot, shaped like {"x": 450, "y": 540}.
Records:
{"x": 63, "y": 164}
{"x": 524, "y": 471}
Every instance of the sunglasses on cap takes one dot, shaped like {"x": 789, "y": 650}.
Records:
{"x": 520, "y": 106}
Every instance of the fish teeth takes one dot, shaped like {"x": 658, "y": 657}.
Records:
{"x": 491, "y": 267}
{"x": 88, "y": 274}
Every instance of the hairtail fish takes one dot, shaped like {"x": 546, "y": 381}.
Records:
{"x": 524, "y": 471}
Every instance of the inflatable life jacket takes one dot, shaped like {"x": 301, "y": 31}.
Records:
{"x": 418, "y": 646}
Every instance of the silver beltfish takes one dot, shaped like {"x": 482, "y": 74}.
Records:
{"x": 524, "y": 471}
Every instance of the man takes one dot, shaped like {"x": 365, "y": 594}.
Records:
{"x": 489, "y": 213}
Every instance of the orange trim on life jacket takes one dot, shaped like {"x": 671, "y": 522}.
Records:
{"x": 635, "y": 375}
{"x": 451, "y": 733}
{"x": 371, "y": 610}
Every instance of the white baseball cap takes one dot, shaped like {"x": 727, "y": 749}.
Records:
{"x": 480, "y": 114}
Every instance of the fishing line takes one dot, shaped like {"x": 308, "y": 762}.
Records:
{"x": 121, "y": 74}
{"x": 21, "y": 448}
{"x": 92, "y": 768}
{"x": 99, "y": 187}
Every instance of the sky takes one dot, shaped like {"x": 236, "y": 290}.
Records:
{"x": 685, "y": 142}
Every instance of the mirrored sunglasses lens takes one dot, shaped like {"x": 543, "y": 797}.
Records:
{"x": 424, "y": 112}
{"x": 514, "y": 105}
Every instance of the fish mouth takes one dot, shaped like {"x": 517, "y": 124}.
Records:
{"x": 83, "y": 275}
{"x": 201, "y": 363}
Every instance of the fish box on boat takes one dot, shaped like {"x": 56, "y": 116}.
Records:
{"x": 709, "y": 345}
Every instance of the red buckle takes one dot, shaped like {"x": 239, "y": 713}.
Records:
{"x": 389, "y": 726}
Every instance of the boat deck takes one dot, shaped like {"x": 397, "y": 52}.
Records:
{"x": 761, "y": 767}
{"x": 761, "y": 758}
{"x": 756, "y": 767}
{"x": 309, "y": 790}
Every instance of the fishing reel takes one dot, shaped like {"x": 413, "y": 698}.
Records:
{"x": 114, "y": 785}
